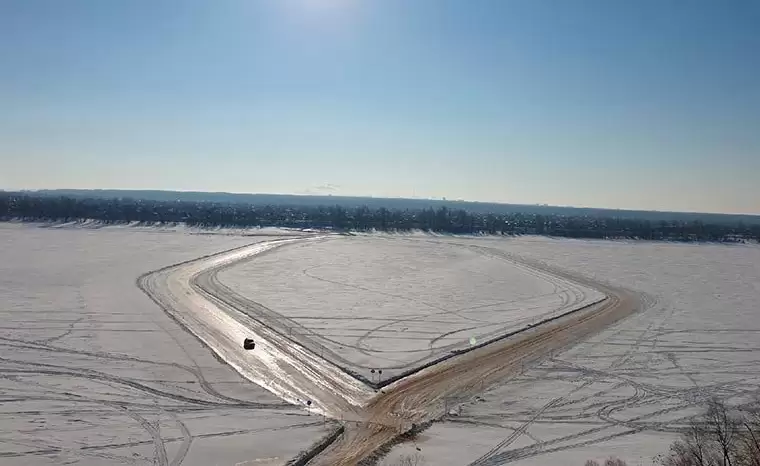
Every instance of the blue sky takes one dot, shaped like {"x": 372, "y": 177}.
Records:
{"x": 651, "y": 104}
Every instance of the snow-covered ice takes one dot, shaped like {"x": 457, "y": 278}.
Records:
{"x": 626, "y": 391}
{"x": 92, "y": 372}
{"x": 393, "y": 303}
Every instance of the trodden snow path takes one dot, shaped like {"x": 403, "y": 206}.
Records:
{"x": 285, "y": 369}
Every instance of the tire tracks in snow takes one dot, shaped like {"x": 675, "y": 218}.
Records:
{"x": 158, "y": 444}
{"x": 515, "y": 435}
{"x": 205, "y": 385}
{"x": 187, "y": 440}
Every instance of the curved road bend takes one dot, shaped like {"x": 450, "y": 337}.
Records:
{"x": 287, "y": 370}
{"x": 421, "y": 397}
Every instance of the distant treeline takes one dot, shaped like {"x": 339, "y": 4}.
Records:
{"x": 39, "y": 207}
{"x": 351, "y": 203}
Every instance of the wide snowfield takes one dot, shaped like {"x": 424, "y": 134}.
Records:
{"x": 393, "y": 303}
{"x": 624, "y": 391}
{"x": 92, "y": 372}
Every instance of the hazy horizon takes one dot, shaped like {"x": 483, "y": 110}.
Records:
{"x": 645, "y": 105}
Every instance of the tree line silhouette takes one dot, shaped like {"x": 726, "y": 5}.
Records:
{"x": 32, "y": 207}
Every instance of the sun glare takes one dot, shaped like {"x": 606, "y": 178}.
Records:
{"x": 325, "y": 6}
{"x": 330, "y": 14}
{"x": 327, "y": 3}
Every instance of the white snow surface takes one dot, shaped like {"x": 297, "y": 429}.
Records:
{"x": 627, "y": 390}
{"x": 92, "y": 372}
{"x": 393, "y": 303}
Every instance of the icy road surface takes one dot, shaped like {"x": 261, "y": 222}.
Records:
{"x": 93, "y": 373}
{"x": 282, "y": 367}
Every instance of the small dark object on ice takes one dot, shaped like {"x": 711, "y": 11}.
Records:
{"x": 249, "y": 344}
